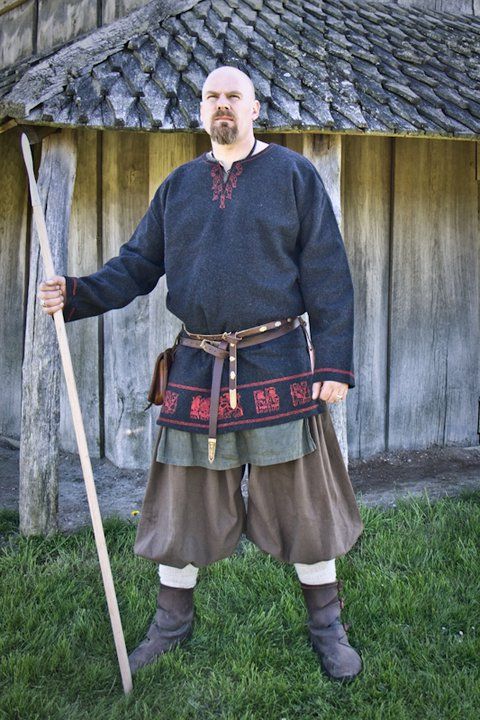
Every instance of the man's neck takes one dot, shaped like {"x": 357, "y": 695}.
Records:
{"x": 227, "y": 154}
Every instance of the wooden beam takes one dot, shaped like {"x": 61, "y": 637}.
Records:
{"x": 41, "y": 366}
{"x": 13, "y": 237}
{"x": 6, "y": 5}
{"x": 8, "y": 126}
{"x": 35, "y": 133}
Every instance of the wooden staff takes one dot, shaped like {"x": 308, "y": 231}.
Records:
{"x": 107, "y": 578}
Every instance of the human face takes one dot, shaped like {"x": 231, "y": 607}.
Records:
{"x": 228, "y": 106}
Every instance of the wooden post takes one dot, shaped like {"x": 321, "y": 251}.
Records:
{"x": 325, "y": 152}
{"x": 38, "y": 501}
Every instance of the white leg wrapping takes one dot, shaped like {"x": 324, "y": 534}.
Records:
{"x": 178, "y": 577}
{"x": 318, "y": 573}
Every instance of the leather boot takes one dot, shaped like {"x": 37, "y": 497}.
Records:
{"x": 171, "y": 625}
{"x": 328, "y": 635}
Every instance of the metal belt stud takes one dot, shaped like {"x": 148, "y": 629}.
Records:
{"x": 232, "y": 372}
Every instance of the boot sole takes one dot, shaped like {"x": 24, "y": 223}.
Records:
{"x": 342, "y": 679}
{"x": 157, "y": 656}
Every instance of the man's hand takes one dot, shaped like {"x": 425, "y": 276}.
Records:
{"x": 329, "y": 391}
{"x": 52, "y": 293}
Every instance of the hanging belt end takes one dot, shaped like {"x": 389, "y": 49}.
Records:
{"x": 212, "y": 444}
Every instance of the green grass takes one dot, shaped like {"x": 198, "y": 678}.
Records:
{"x": 412, "y": 595}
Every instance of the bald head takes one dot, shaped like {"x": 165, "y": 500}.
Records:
{"x": 229, "y": 108}
{"x": 232, "y": 76}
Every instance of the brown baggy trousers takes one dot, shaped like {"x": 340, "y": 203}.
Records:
{"x": 300, "y": 511}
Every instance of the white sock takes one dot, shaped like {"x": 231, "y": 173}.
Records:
{"x": 178, "y": 577}
{"x": 318, "y": 573}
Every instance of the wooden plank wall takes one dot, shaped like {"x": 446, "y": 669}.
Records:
{"x": 126, "y": 331}
{"x": 62, "y": 20}
{"x": 366, "y": 210}
{"x": 31, "y": 27}
{"x": 461, "y": 7}
{"x": 83, "y": 336}
{"x": 411, "y": 227}
{"x": 114, "y": 9}
{"x": 435, "y": 295}
{"x": 13, "y": 277}
{"x": 166, "y": 151}
{"x": 17, "y": 33}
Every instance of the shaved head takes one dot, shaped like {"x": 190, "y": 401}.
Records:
{"x": 228, "y": 73}
{"x": 228, "y": 107}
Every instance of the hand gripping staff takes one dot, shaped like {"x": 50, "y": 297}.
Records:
{"x": 107, "y": 578}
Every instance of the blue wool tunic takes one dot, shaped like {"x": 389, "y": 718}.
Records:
{"x": 262, "y": 246}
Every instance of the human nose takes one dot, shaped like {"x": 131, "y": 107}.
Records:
{"x": 223, "y": 102}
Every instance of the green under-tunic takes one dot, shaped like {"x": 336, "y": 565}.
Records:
{"x": 260, "y": 446}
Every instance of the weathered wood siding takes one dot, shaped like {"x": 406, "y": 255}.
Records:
{"x": 366, "y": 218}
{"x": 165, "y": 153}
{"x": 17, "y": 33}
{"x": 28, "y": 28}
{"x": 83, "y": 336}
{"x": 13, "y": 275}
{"x": 125, "y": 198}
{"x": 410, "y": 223}
{"x": 434, "y": 374}
{"x": 62, "y": 20}
{"x": 461, "y": 7}
{"x": 38, "y": 461}
{"x": 411, "y": 227}
{"x": 113, "y": 9}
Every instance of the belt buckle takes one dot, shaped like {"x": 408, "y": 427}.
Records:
{"x": 203, "y": 343}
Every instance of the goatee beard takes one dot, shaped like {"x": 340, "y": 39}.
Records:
{"x": 223, "y": 133}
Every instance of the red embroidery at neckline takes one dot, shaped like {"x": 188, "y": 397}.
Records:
{"x": 224, "y": 191}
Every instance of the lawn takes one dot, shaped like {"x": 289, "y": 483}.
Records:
{"x": 412, "y": 596}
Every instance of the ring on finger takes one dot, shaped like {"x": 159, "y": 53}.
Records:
{"x": 42, "y": 302}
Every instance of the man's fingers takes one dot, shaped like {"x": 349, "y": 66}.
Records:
{"x": 47, "y": 294}
{"x": 331, "y": 390}
{"x": 56, "y": 302}
{"x": 51, "y": 309}
{"x": 51, "y": 294}
{"x": 316, "y": 390}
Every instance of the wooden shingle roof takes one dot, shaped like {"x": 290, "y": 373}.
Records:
{"x": 337, "y": 65}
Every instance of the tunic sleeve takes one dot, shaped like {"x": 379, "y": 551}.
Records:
{"x": 326, "y": 285}
{"x": 134, "y": 271}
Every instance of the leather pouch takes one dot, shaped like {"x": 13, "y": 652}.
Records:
{"x": 156, "y": 394}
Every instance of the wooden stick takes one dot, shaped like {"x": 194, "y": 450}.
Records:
{"x": 107, "y": 578}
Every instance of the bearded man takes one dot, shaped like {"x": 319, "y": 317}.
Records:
{"x": 248, "y": 241}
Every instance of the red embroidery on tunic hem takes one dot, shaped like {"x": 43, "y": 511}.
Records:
{"x": 170, "y": 402}
{"x": 200, "y": 408}
{"x": 224, "y": 408}
{"x": 266, "y": 400}
{"x": 300, "y": 393}
{"x": 241, "y": 422}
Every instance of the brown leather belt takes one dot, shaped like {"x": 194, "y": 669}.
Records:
{"x": 224, "y": 345}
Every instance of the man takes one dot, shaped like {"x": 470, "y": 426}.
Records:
{"x": 248, "y": 240}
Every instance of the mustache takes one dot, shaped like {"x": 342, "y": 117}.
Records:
{"x": 224, "y": 114}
